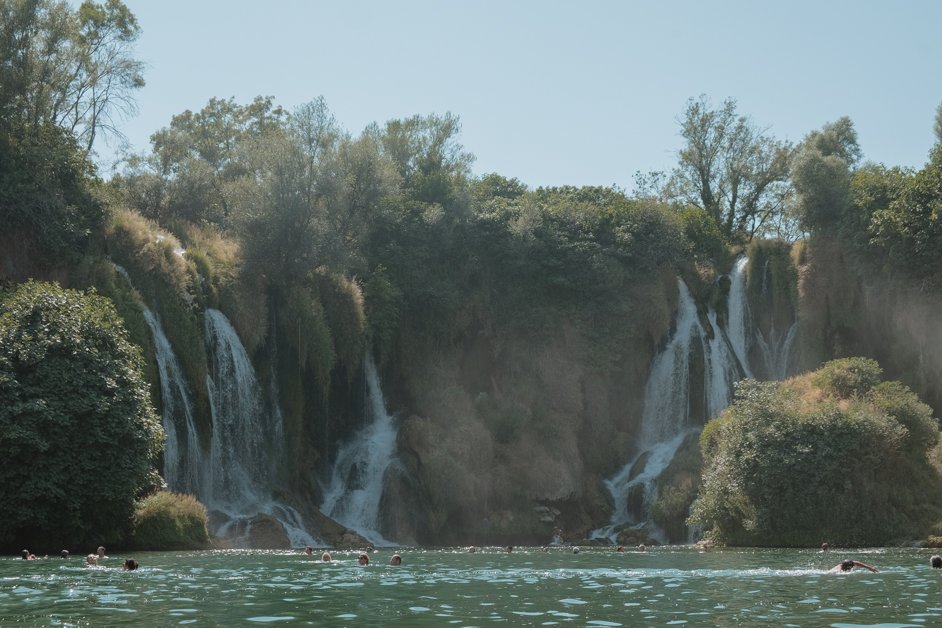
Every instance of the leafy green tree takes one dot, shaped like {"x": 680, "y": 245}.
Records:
{"x": 730, "y": 168}
{"x": 821, "y": 174}
{"x": 431, "y": 162}
{"x": 834, "y": 455}
{"x": 909, "y": 230}
{"x": 78, "y": 435}
{"x": 202, "y": 155}
{"x": 47, "y": 195}
{"x": 71, "y": 68}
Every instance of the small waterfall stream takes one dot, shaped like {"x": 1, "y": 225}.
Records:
{"x": 667, "y": 420}
{"x": 356, "y": 479}
{"x": 183, "y": 459}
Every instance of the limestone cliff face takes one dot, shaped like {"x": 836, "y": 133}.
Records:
{"x": 507, "y": 439}
{"x": 846, "y": 311}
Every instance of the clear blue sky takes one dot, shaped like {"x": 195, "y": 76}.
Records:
{"x": 556, "y": 93}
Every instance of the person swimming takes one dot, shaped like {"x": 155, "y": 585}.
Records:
{"x": 936, "y": 561}
{"x": 396, "y": 560}
{"x": 848, "y": 565}
{"x": 363, "y": 559}
{"x": 130, "y": 564}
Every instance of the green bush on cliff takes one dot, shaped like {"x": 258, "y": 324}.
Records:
{"x": 799, "y": 462}
{"x": 78, "y": 435}
{"x": 169, "y": 521}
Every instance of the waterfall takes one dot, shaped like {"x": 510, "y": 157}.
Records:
{"x": 246, "y": 439}
{"x": 739, "y": 321}
{"x": 667, "y": 419}
{"x": 183, "y": 459}
{"x": 356, "y": 479}
{"x": 776, "y": 348}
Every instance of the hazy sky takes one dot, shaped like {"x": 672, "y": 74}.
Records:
{"x": 554, "y": 93}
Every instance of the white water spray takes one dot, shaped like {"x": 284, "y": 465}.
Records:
{"x": 245, "y": 439}
{"x": 356, "y": 480}
{"x": 183, "y": 459}
{"x": 667, "y": 421}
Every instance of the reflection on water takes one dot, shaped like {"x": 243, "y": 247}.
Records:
{"x": 597, "y": 587}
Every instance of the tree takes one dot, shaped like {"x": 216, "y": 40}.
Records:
{"x": 431, "y": 162}
{"x": 46, "y": 191}
{"x": 78, "y": 434}
{"x": 203, "y": 155}
{"x": 821, "y": 174}
{"x": 730, "y": 168}
{"x": 71, "y": 68}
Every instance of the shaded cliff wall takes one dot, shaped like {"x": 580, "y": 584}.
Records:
{"x": 508, "y": 437}
{"x": 847, "y": 310}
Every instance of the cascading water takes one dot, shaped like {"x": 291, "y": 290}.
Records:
{"x": 667, "y": 419}
{"x": 183, "y": 459}
{"x": 776, "y": 348}
{"x": 356, "y": 480}
{"x": 244, "y": 440}
{"x": 738, "y": 319}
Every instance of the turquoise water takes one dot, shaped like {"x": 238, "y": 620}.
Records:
{"x": 665, "y": 586}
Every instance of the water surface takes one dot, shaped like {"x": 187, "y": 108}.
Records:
{"x": 664, "y": 586}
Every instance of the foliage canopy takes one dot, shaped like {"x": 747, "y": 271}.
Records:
{"x": 834, "y": 455}
{"x": 78, "y": 434}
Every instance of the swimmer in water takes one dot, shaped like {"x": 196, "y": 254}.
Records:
{"x": 396, "y": 560}
{"x": 363, "y": 559}
{"x": 848, "y": 565}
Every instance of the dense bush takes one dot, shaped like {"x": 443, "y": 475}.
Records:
{"x": 78, "y": 435}
{"x": 169, "y": 521}
{"x": 800, "y": 462}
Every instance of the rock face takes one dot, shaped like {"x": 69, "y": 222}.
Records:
{"x": 506, "y": 444}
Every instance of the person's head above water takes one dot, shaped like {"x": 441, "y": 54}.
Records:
{"x": 363, "y": 559}
{"x": 395, "y": 560}
{"x": 936, "y": 561}
{"x": 847, "y": 565}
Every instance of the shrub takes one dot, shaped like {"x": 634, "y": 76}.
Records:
{"x": 848, "y": 377}
{"x": 787, "y": 464}
{"x": 78, "y": 435}
{"x": 169, "y": 521}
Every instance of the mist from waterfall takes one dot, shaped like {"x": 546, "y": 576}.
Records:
{"x": 356, "y": 481}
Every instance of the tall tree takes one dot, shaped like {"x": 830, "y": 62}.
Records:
{"x": 72, "y": 68}
{"x": 730, "y": 168}
{"x": 203, "y": 154}
{"x": 821, "y": 174}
